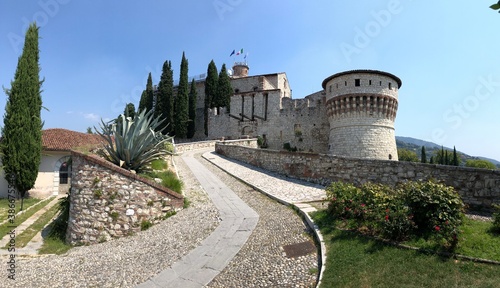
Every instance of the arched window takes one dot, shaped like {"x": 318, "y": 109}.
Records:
{"x": 64, "y": 173}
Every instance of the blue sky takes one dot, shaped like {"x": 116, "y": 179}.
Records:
{"x": 95, "y": 55}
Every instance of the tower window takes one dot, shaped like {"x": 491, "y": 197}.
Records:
{"x": 390, "y": 86}
{"x": 337, "y": 85}
{"x": 345, "y": 83}
{"x": 380, "y": 83}
{"x": 370, "y": 82}
{"x": 330, "y": 88}
{"x": 357, "y": 82}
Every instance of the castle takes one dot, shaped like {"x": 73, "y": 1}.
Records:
{"x": 352, "y": 116}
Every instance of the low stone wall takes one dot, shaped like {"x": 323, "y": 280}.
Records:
{"x": 110, "y": 202}
{"x": 183, "y": 147}
{"x": 478, "y": 187}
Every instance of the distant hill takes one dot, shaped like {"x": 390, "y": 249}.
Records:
{"x": 430, "y": 148}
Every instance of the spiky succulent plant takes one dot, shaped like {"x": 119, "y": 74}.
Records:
{"x": 133, "y": 143}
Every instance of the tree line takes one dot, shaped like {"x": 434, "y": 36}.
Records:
{"x": 176, "y": 105}
{"x": 443, "y": 157}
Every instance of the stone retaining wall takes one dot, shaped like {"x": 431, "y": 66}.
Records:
{"x": 110, "y": 202}
{"x": 478, "y": 187}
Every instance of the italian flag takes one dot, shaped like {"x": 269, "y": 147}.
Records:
{"x": 239, "y": 52}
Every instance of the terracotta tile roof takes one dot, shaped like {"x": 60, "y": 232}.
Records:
{"x": 58, "y": 139}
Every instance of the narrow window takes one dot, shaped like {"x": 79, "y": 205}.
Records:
{"x": 380, "y": 83}
{"x": 330, "y": 88}
{"x": 370, "y": 82}
{"x": 337, "y": 85}
{"x": 390, "y": 86}
{"x": 357, "y": 82}
{"x": 345, "y": 83}
{"x": 63, "y": 173}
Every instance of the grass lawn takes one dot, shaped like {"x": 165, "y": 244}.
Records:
{"x": 4, "y": 206}
{"x": 28, "y": 234}
{"x": 358, "y": 261}
{"x": 4, "y": 229}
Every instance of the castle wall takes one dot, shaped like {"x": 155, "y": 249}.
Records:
{"x": 477, "y": 187}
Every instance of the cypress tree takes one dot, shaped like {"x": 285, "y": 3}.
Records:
{"x": 182, "y": 101}
{"x": 129, "y": 110}
{"x": 210, "y": 90}
{"x": 455, "y": 162}
{"x": 423, "y": 156}
{"x": 165, "y": 98}
{"x": 143, "y": 101}
{"x": 431, "y": 161}
{"x": 147, "y": 96}
{"x": 192, "y": 110}
{"x": 224, "y": 89}
{"x": 446, "y": 158}
{"x": 22, "y": 132}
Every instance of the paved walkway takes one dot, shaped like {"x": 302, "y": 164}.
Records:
{"x": 202, "y": 264}
{"x": 283, "y": 189}
{"x": 37, "y": 241}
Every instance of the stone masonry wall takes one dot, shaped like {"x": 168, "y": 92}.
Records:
{"x": 478, "y": 187}
{"x": 110, "y": 202}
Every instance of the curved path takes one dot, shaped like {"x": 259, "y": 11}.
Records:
{"x": 206, "y": 261}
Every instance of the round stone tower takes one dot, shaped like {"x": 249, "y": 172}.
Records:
{"x": 240, "y": 69}
{"x": 361, "y": 108}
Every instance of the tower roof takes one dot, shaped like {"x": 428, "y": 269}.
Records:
{"x": 363, "y": 71}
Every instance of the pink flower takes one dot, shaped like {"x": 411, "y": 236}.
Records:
{"x": 437, "y": 228}
{"x": 447, "y": 222}
{"x": 363, "y": 205}
{"x": 386, "y": 217}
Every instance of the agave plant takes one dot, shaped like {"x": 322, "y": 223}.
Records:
{"x": 133, "y": 143}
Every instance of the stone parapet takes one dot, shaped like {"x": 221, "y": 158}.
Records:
{"x": 477, "y": 187}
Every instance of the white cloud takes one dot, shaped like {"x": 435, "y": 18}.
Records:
{"x": 91, "y": 116}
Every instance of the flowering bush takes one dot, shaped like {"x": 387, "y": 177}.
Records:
{"x": 412, "y": 209}
{"x": 438, "y": 210}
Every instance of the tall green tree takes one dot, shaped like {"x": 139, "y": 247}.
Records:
{"x": 407, "y": 155}
{"x": 192, "y": 110}
{"x": 423, "y": 156}
{"x": 165, "y": 98}
{"x": 182, "y": 101}
{"x": 456, "y": 160}
{"x": 129, "y": 110}
{"x": 22, "y": 132}
{"x": 210, "y": 91}
{"x": 480, "y": 163}
{"x": 224, "y": 90}
{"x": 147, "y": 97}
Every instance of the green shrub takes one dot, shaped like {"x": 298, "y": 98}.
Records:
{"x": 287, "y": 146}
{"x": 496, "y": 218}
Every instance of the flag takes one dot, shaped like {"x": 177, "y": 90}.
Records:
{"x": 232, "y": 53}
{"x": 245, "y": 56}
{"x": 239, "y": 52}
